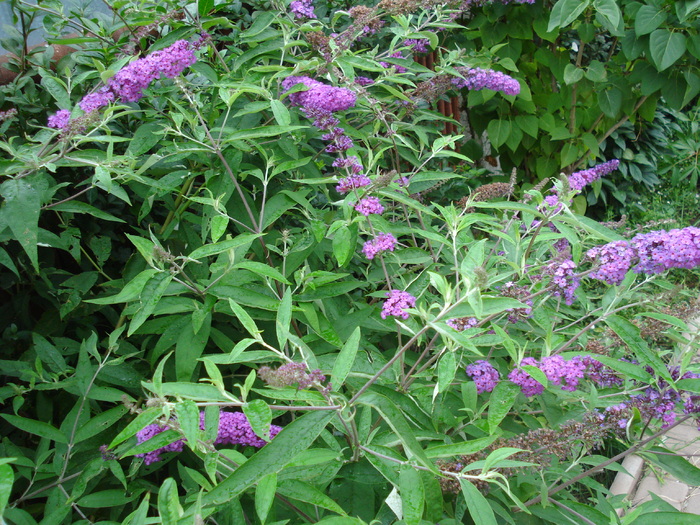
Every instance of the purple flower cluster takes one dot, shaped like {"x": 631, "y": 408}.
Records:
{"x": 381, "y": 243}
{"x": 302, "y": 9}
{"x": 60, "y": 119}
{"x": 369, "y": 205}
{"x": 419, "y": 45}
{"x": 650, "y": 253}
{"x": 364, "y": 81}
{"x": 558, "y": 371}
{"x": 601, "y": 375}
{"x": 580, "y": 179}
{"x": 291, "y": 374}
{"x": 564, "y": 278}
{"x": 521, "y": 293}
{"x": 338, "y": 140}
{"x": 234, "y": 429}
{"x": 387, "y": 65}
{"x": 130, "y": 81}
{"x": 484, "y": 375}
{"x": 477, "y": 79}
{"x": 396, "y": 304}
{"x": 352, "y": 182}
{"x": 319, "y": 96}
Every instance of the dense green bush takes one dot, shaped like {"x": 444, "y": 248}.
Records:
{"x": 189, "y": 263}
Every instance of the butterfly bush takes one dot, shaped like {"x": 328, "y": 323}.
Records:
{"x": 397, "y": 303}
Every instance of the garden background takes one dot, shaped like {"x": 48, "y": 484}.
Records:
{"x": 318, "y": 262}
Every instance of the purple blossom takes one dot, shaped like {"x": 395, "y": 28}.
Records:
{"x": 234, "y": 429}
{"x": 613, "y": 259}
{"x": 60, "y": 119}
{"x": 600, "y": 374}
{"x": 484, "y": 375}
{"x": 477, "y": 79}
{"x": 352, "y": 182}
{"x": 396, "y": 304}
{"x": 419, "y": 45}
{"x": 364, "y": 81}
{"x": 130, "y": 81}
{"x": 529, "y": 385}
{"x": 387, "y": 65}
{"x": 580, "y": 179}
{"x": 96, "y": 100}
{"x": 339, "y": 141}
{"x": 350, "y": 163}
{"x": 302, "y": 9}
{"x": 369, "y": 205}
{"x": 564, "y": 279}
{"x": 319, "y": 96}
{"x": 381, "y": 243}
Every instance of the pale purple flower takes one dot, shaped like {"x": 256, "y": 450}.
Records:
{"x": 369, "y": 205}
{"x": 484, "y": 375}
{"x": 564, "y": 278}
{"x": 302, "y": 9}
{"x": 352, "y": 182}
{"x": 319, "y": 96}
{"x": 477, "y": 79}
{"x": 528, "y": 385}
{"x": 364, "y": 81}
{"x": 350, "y": 163}
{"x": 60, "y": 119}
{"x": 580, "y": 179}
{"x": 462, "y": 323}
{"x": 381, "y": 243}
{"x": 96, "y": 100}
{"x": 387, "y": 65}
{"x": 397, "y": 303}
{"x": 419, "y": 45}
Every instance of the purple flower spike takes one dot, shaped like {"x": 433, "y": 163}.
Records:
{"x": 396, "y": 304}
{"x": 381, "y": 243}
{"x": 477, "y": 79}
{"x": 59, "y": 120}
{"x": 484, "y": 375}
{"x": 529, "y": 386}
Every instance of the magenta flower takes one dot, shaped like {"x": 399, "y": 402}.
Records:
{"x": 381, "y": 243}
{"x": 369, "y": 205}
{"x": 60, "y": 119}
{"x": 484, "y": 375}
{"x": 396, "y": 304}
{"x": 96, "y": 100}
{"x": 302, "y": 9}
{"x": 529, "y": 386}
{"x": 477, "y": 79}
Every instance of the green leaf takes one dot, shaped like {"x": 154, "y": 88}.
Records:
{"x": 130, "y": 292}
{"x": 344, "y": 243}
{"x": 169, "y": 508}
{"x": 57, "y": 90}
{"x": 38, "y": 428}
{"x": 146, "y": 136}
{"x": 245, "y": 319}
{"x": 666, "y": 47}
{"x": 667, "y": 518}
{"x": 150, "y": 295}
{"x": 83, "y": 207}
{"x": 265, "y": 131}
{"x": 461, "y": 449}
{"x": 20, "y": 211}
{"x": 345, "y": 359}
{"x": 478, "y": 506}
{"x": 610, "y": 101}
{"x": 145, "y": 418}
{"x": 204, "y": 7}
{"x": 284, "y": 318}
{"x": 144, "y": 246}
{"x": 302, "y": 491}
{"x": 447, "y": 368}
{"x": 265, "y": 495}
{"x": 188, "y": 418}
{"x": 499, "y": 131}
{"x": 262, "y": 269}
{"x": 647, "y": 19}
{"x": 213, "y": 249}
{"x": 572, "y": 74}
{"x": 7, "y": 478}
{"x": 99, "y": 423}
{"x": 273, "y": 457}
{"x": 397, "y": 421}
{"x": 189, "y": 348}
{"x": 565, "y": 12}
{"x": 260, "y": 417}
{"x": 679, "y": 467}
{"x": 281, "y": 113}
{"x": 609, "y": 10}
{"x": 500, "y": 403}
{"x": 629, "y": 333}
{"x": 412, "y": 494}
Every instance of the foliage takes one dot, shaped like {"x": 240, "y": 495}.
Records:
{"x": 591, "y": 67}
{"x": 186, "y": 254}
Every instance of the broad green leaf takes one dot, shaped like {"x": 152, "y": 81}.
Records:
{"x": 149, "y": 297}
{"x": 99, "y": 423}
{"x": 610, "y": 101}
{"x": 572, "y": 74}
{"x": 565, "y": 12}
{"x": 57, "y": 89}
{"x": 144, "y": 246}
{"x": 7, "y": 261}
{"x": 265, "y": 495}
{"x": 666, "y": 518}
{"x": 245, "y": 319}
{"x": 83, "y": 207}
{"x": 262, "y": 269}
{"x": 666, "y": 47}
{"x": 648, "y": 18}
{"x": 302, "y": 491}
{"x": 204, "y": 7}
{"x": 447, "y": 368}
{"x": 20, "y": 211}
{"x": 281, "y": 113}
{"x": 158, "y": 441}
{"x": 478, "y": 506}
{"x": 412, "y": 495}
{"x": 146, "y": 136}
{"x": 343, "y": 363}
{"x": 169, "y": 508}
{"x": 273, "y": 457}
{"x": 609, "y": 10}
{"x": 7, "y": 478}
{"x": 38, "y": 428}
{"x": 500, "y": 403}
{"x": 265, "y": 131}
{"x": 138, "y": 517}
{"x": 344, "y": 244}
{"x": 188, "y": 418}
{"x": 259, "y": 416}
{"x": 499, "y": 130}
